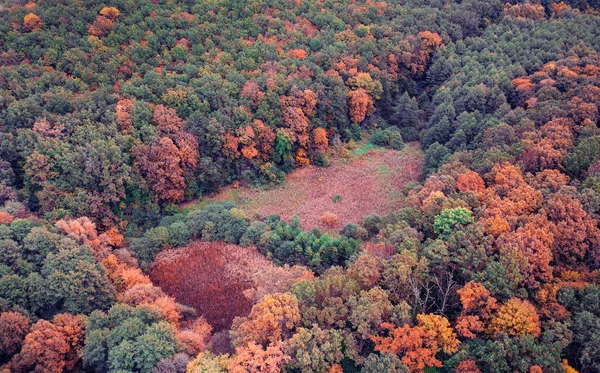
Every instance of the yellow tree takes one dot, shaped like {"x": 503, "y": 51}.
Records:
{"x": 516, "y": 317}
{"x": 32, "y": 22}
{"x": 271, "y": 319}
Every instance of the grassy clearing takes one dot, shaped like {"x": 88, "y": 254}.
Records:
{"x": 368, "y": 181}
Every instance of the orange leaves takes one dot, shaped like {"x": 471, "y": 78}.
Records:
{"x": 516, "y": 317}
{"x": 468, "y": 326}
{"x": 416, "y": 351}
{"x": 534, "y": 242}
{"x": 46, "y": 129}
{"x": 430, "y": 41}
{"x": 52, "y": 347}
{"x": 105, "y": 22}
{"x": 297, "y": 108}
{"x": 14, "y": 327}
{"x": 123, "y": 276}
{"x": 249, "y": 151}
{"x": 166, "y": 119}
{"x": 574, "y": 231}
{"x": 193, "y": 341}
{"x": 298, "y": 53}
{"x": 470, "y": 181}
{"x": 164, "y": 164}
{"x": 546, "y": 148}
{"x": 252, "y": 358}
{"x": 476, "y": 298}
{"x": 161, "y": 166}
{"x": 256, "y": 141}
{"x": 295, "y": 118}
{"x": 551, "y": 180}
{"x": 422, "y": 48}
{"x": 302, "y": 158}
{"x": 83, "y": 230}
{"x": 230, "y": 146}
{"x": 32, "y": 22}
{"x": 123, "y": 110}
{"x": 478, "y": 305}
{"x": 467, "y": 366}
{"x": 366, "y": 271}
{"x": 523, "y": 84}
{"x": 188, "y": 151}
{"x": 270, "y": 320}
{"x": 508, "y": 195}
{"x": 336, "y": 368}
{"x": 417, "y": 346}
{"x": 310, "y": 102}
{"x": 525, "y": 10}
{"x": 567, "y": 367}
{"x": 320, "y": 138}
{"x": 361, "y": 105}
{"x": 558, "y": 8}
{"x": 5, "y": 218}
{"x": 101, "y": 26}
{"x": 329, "y": 219}
{"x": 496, "y": 226}
{"x": 265, "y": 137}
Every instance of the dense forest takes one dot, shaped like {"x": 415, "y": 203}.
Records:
{"x": 117, "y": 116}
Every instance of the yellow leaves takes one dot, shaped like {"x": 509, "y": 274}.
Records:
{"x": 320, "y": 138}
{"x": 302, "y": 158}
{"x": 567, "y": 367}
{"x": 105, "y": 22}
{"x": 111, "y": 13}
{"x": 366, "y": 82}
{"x": 274, "y": 317}
{"x": 438, "y": 329}
{"x": 496, "y": 226}
{"x": 516, "y": 317}
{"x": 32, "y": 22}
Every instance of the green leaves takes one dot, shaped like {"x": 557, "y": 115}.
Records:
{"x": 450, "y": 219}
{"x": 127, "y": 339}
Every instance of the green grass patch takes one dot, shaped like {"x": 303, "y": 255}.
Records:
{"x": 363, "y": 149}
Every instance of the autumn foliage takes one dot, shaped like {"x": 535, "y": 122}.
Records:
{"x": 51, "y": 347}
{"x": 32, "y": 22}
{"x": 217, "y": 282}
{"x": 516, "y": 317}
{"x": 271, "y": 319}
{"x": 433, "y": 199}
{"x": 418, "y": 346}
{"x": 13, "y": 329}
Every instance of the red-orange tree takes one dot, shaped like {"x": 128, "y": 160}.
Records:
{"x": 52, "y": 347}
